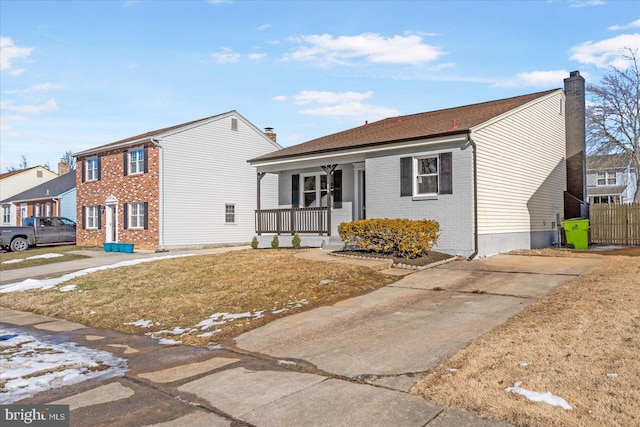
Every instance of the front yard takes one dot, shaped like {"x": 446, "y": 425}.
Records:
{"x": 200, "y": 299}
{"x": 38, "y": 256}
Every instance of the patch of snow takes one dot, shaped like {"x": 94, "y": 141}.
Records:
{"x": 168, "y": 341}
{"x": 208, "y": 334}
{"x": 279, "y": 311}
{"x": 523, "y": 364}
{"x": 45, "y": 256}
{"x": 67, "y": 288}
{"x": 13, "y": 261}
{"x": 612, "y": 375}
{"x": 286, "y": 362}
{"x": 92, "y": 312}
{"x": 31, "y": 366}
{"x": 28, "y": 284}
{"x": 217, "y": 319}
{"x": 609, "y": 248}
{"x": 142, "y": 323}
{"x": 451, "y": 369}
{"x": 537, "y": 396}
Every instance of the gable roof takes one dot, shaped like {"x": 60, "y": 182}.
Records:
{"x": 609, "y": 161}
{"x": 450, "y": 121}
{"x": 49, "y": 189}
{"x": 16, "y": 172}
{"x": 147, "y": 136}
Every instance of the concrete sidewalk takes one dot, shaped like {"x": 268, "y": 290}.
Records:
{"x": 344, "y": 365}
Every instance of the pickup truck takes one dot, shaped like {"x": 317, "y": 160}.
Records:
{"x": 39, "y": 230}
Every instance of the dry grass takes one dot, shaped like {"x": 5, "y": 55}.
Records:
{"x": 182, "y": 292}
{"x": 7, "y": 256}
{"x": 570, "y": 340}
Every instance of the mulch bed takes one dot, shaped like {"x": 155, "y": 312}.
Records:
{"x": 429, "y": 258}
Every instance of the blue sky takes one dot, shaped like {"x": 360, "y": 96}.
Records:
{"x": 78, "y": 74}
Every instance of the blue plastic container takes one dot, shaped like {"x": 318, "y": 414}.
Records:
{"x": 108, "y": 247}
{"x": 127, "y": 248}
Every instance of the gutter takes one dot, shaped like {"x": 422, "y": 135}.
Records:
{"x": 156, "y": 142}
{"x": 474, "y": 150}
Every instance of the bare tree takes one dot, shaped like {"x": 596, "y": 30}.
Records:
{"x": 71, "y": 161}
{"x": 23, "y": 165}
{"x": 613, "y": 118}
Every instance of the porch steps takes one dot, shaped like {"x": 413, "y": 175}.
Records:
{"x": 333, "y": 243}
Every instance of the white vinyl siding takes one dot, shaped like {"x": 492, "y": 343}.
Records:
{"x": 22, "y": 181}
{"x": 521, "y": 169}
{"x": 212, "y": 159}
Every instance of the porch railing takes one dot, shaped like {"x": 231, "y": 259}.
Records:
{"x": 294, "y": 220}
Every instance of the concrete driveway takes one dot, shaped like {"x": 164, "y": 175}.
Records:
{"x": 417, "y": 322}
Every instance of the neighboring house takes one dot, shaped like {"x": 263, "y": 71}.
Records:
{"x": 56, "y": 197}
{"x": 492, "y": 174}
{"x": 14, "y": 182}
{"x": 185, "y": 185}
{"x": 611, "y": 178}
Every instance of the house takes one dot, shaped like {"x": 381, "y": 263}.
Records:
{"x": 611, "y": 178}
{"x": 184, "y": 185}
{"x": 497, "y": 176}
{"x": 14, "y": 182}
{"x": 56, "y": 197}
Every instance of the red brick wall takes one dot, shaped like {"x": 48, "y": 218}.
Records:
{"x": 126, "y": 189}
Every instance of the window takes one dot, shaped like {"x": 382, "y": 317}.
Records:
{"x": 426, "y": 175}
{"x": 92, "y": 217}
{"x": 314, "y": 190}
{"x": 230, "y": 214}
{"x": 136, "y": 161}
{"x": 6, "y": 214}
{"x": 136, "y": 215}
{"x": 93, "y": 169}
{"x": 607, "y": 178}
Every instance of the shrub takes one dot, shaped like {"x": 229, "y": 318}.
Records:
{"x": 398, "y": 237}
{"x": 254, "y": 242}
{"x": 275, "y": 242}
{"x": 295, "y": 241}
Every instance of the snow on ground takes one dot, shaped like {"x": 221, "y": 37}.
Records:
{"x": 142, "y": 323}
{"x": 43, "y": 256}
{"x": 29, "y": 366}
{"x": 538, "y": 396}
{"x": 50, "y": 283}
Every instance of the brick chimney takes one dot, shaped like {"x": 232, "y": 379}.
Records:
{"x": 63, "y": 167}
{"x": 575, "y": 196}
{"x": 270, "y": 133}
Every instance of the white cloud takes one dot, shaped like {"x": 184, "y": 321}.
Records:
{"x": 310, "y": 96}
{"x": 372, "y": 47}
{"x": 585, "y": 3}
{"x": 256, "y": 56}
{"x": 226, "y": 56}
{"x": 29, "y": 109}
{"x": 353, "y": 109}
{"x": 606, "y": 52}
{"x": 280, "y": 98}
{"x": 535, "y": 78}
{"x": 631, "y": 25}
{"x": 264, "y": 27}
{"x": 9, "y": 52}
{"x": 42, "y": 87}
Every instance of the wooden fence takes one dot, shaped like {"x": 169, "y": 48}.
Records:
{"x": 615, "y": 224}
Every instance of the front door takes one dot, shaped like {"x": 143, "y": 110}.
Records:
{"x": 111, "y": 226}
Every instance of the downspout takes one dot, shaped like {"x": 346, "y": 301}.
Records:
{"x": 160, "y": 195}
{"x": 475, "y": 196}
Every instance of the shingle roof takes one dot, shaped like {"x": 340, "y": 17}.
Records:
{"x": 51, "y": 188}
{"x": 449, "y": 121}
{"x": 606, "y": 190}
{"x": 146, "y": 135}
{"x": 608, "y": 161}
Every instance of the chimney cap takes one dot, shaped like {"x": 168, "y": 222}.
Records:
{"x": 574, "y": 74}
{"x": 268, "y": 130}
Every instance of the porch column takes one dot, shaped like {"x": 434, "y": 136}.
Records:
{"x": 357, "y": 201}
{"x": 328, "y": 169}
{"x": 259, "y": 176}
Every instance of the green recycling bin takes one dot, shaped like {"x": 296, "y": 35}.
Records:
{"x": 577, "y": 232}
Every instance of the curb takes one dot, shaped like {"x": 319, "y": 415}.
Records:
{"x": 399, "y": 265}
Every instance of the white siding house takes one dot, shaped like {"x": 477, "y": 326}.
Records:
{"x": 15, "y": 182}
{"x": 493, "y": 174}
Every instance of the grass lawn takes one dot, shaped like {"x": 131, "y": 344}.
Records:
{"x": 581, "y": 343}
{"x": 201, "y": 299}
{"x": 40, "y": 255}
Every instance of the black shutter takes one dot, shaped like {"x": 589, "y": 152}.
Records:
{"x": 406, "y": 176}
{"x": 99, "y": 217}
{"x": 84, "y": 168}
{"x": 445, "y": 177}
{"x": 84, "y": 216}
{"x": 125, "y": 222}
{"x": 146, "y": 159}
{"x": 99, "y": 168}
{"x": 337, "y": 189}
{"x": 146, "y": 215}
{"x": 295, "y": 191}
{"x": 125, "y": 168}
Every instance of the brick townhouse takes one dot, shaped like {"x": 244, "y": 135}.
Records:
{"x": 180, "y": 186}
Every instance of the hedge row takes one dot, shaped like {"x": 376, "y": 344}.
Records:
{"x": 398, "y": 237}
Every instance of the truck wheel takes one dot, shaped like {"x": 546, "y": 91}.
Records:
{"x": 19, "y": 244}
